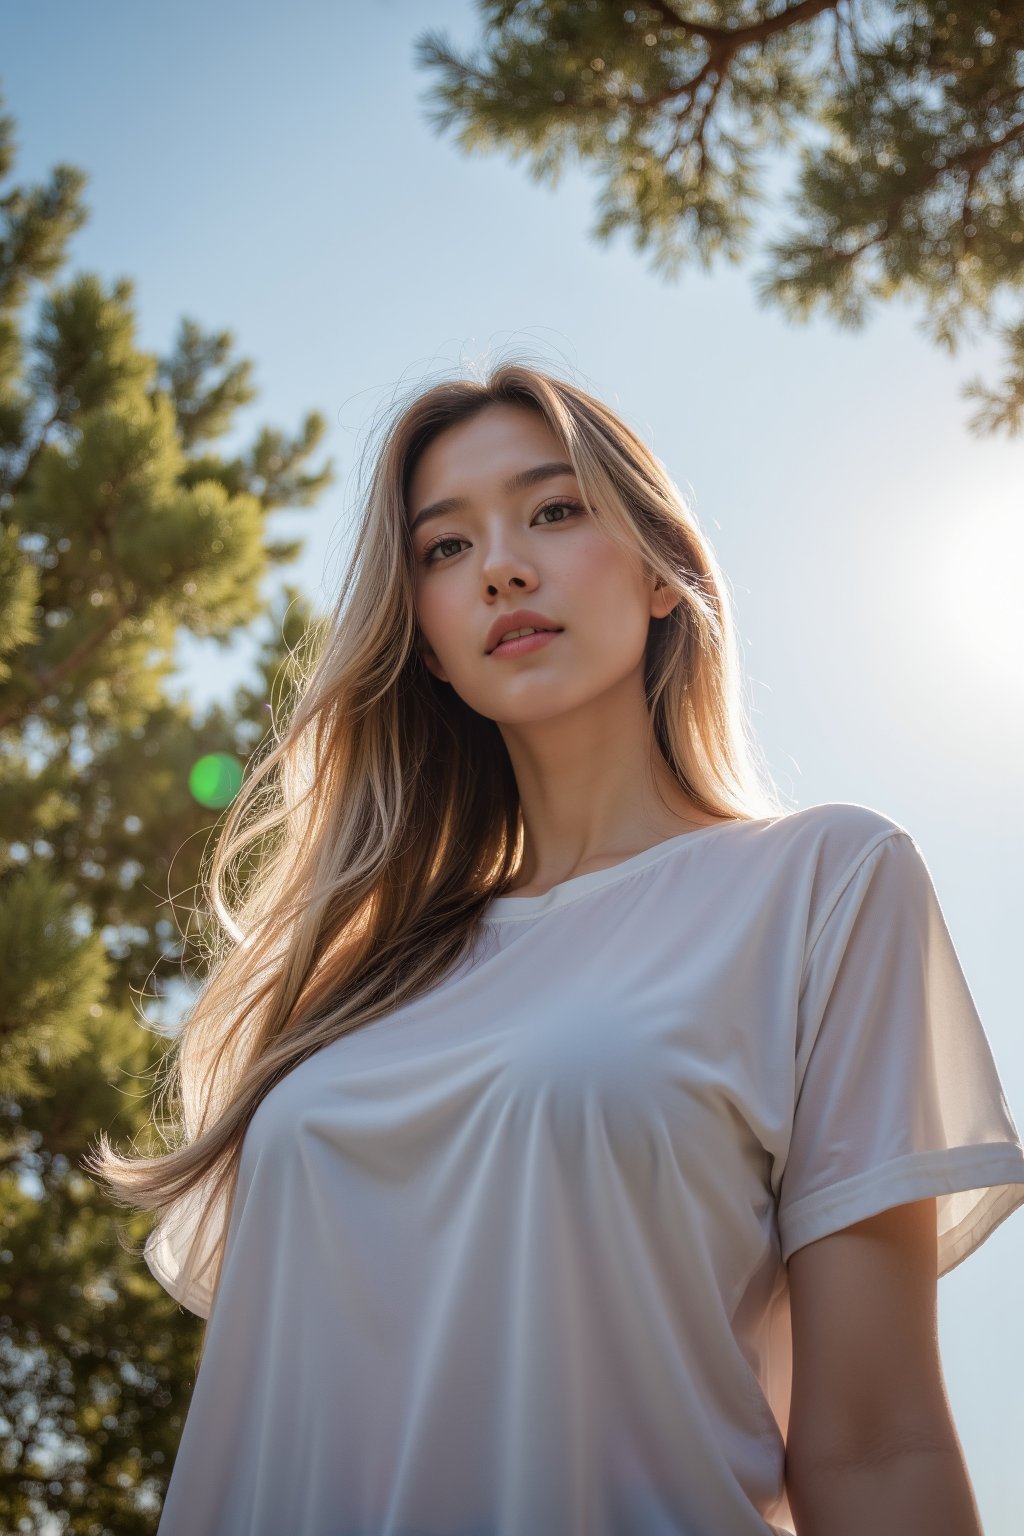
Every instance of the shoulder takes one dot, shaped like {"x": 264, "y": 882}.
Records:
{"x": 843, "y": 820}
{"x": 838, "y": 834}
{"x": 824, "y": 847}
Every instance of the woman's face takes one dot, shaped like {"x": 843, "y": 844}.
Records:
{"x": 536, "y": 546}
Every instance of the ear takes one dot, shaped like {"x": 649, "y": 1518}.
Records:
{"x": 663, "y": 600}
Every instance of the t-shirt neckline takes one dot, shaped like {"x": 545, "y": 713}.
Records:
{"x": 500, "y": 908}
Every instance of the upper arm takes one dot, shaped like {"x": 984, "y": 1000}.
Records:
{"x": 867, "y": 1374}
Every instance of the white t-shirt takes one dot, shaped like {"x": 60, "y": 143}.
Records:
{"x": 511, "y": 1259}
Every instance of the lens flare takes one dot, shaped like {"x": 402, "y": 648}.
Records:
{"x": 214, "y": 780}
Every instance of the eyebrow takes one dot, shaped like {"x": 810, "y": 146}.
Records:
{"x": 518, "y": 482}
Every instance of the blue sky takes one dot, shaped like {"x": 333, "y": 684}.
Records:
{"x": 273, "y": 172}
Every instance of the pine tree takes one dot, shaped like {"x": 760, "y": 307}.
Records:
{"x": 910, "y": 176}
{"x": 121, "y": 527}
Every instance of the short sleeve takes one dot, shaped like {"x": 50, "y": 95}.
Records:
{"x": 897, "y": 1093}
{"x": 182, "y": 1254}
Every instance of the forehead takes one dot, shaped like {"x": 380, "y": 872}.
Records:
{"x": 482, "y": 452}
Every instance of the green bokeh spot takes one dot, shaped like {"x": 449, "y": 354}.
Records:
{"x": 215, "y": 779}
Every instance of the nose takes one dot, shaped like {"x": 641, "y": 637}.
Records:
{"x": 503, "y": 564}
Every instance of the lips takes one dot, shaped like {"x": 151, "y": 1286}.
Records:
{"x": 523, "y": 618}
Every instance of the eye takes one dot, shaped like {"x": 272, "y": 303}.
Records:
{"x": 566, "y": 504}
{"x": 563, "y": 503}
{"x": 428, "y": 552}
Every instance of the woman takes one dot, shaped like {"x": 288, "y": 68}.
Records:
{"x": 548, "y": 1039}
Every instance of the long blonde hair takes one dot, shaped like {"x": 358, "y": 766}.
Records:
{"x": 387, "y": 815}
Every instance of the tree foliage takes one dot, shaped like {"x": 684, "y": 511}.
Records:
{"x": 907, "y": 118}
{"x": 121, "y": 528}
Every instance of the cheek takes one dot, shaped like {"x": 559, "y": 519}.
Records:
{"x": 590, "y": 560}
{"x": 431, "y": 611}
{"x": 607, "y": 595}
{"x": 445, "y": 614}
